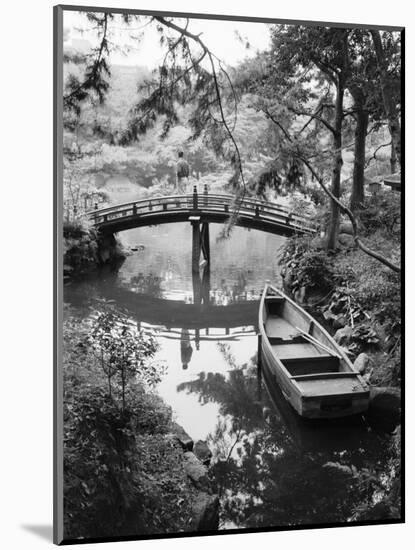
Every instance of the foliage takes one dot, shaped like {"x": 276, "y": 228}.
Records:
{"x": 313, "y": 269}
{"x": 381, "y": 211}
{"x": 121, "y": 473}
{"x": 123, "y": 351}
{"x": 80, "y": 248}
{"x": 363, "y": 337}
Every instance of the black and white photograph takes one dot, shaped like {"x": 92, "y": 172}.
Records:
{"x": 228, "y": 206}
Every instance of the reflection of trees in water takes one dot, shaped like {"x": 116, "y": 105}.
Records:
{"x": 147, "y": 284}
{"x": 263, "y": 477}
{"x": 227, "y": 294}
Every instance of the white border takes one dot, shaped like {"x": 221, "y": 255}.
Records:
{"x": 26, "y": 246}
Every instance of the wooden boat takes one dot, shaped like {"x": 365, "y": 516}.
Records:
{"x": 313, "y": 372}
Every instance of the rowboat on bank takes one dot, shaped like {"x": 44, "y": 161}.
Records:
{"x": 313, "y": 372}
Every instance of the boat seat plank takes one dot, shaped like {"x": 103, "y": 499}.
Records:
{"x": 324, "y": 375}
{"x": 300, "y": 350}
{"x": 319, "y": 357}
{"x": 329, "y": 386}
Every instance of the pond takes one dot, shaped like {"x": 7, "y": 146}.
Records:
{"x": 271, "y": 468}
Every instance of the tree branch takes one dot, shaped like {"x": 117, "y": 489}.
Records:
{"x": 314, "y": 116}
{"x": 351, "y": 217}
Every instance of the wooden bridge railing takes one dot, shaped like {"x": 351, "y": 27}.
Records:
{"x": 195, "y": 203}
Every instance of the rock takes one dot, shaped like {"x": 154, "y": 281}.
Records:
{"x": 195, "y": 470}
{"x": 346, "y": 240}
{"x": 287, "y": 280}
{"x": 319, "y": 243}
{"x": 384, "y": 408}
{"x": 341, "y": 468}
{"x": 387, "y": 400}
{"x": 346, "y": 227}
{"x": 299, "y": 295}
{"x": 202, "y": 451}
{"x": 182, "y": 437}
{"x": 302, "y": 293}
{"x": 206, "y": 512}
{"x": 362, "y": 362}
{"x": 343, "y": 336}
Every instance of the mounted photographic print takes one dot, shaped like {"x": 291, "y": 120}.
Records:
{"x": 228, "y": 200}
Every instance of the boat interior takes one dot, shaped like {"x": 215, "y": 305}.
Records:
{"x": 292, "y": 341}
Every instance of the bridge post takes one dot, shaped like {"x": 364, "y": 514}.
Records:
{"x": 134, "y": 209}
{"x": 205, "y": 195}
{"x": 205, "y": 242}
{"x": 195, "y": 198}
{"x": 196, "y": 241}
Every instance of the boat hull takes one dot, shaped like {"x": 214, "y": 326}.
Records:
{"x": 314, "y": 392}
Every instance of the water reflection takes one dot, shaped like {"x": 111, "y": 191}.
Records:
{"x": 186, "y": 349}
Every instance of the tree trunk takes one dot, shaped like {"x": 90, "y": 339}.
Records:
{"x": 387, "y": 95}
{"x": 358, "y": 188}
{"x": 393, "y": 159}
{"x": 337, "y": 167}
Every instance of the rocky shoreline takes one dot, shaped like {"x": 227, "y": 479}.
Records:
{"x": 86, "y": 250}
{"x": 196, "y": 460}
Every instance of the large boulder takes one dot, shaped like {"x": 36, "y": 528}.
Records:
{"x": 196, "y": 471}
{"x": 384, "y": 408}
{"x": 346, "y": 227}
{"x": 342, "y": 469}
{"x": 346, "y": 240}
{"x": 343, "y": 336}
{"x": 385, "y": 399}
{"x": 299, "y": 295}
{"x": 202, "y": 451}
{"x": 182, "y": 437}
{"x": 206, "y": 512}
{"x": 362, "y": 363}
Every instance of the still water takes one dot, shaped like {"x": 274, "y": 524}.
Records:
{"x": 270, "y": 467}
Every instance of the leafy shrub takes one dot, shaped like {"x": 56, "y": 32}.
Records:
{"x": 117, "y": 477}
{"x": 316, "y": 271}
{"x": 364, "y": 337}
{"x": 121, "y": 473}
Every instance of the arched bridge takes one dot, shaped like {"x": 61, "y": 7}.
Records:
{"x": 203, "y": 208}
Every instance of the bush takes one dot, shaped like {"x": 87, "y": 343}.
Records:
{"x": 113, "y": 461}
{"x": 121, "y": 473}
{"x": 312, "y": 268}
{"x": 381, "y": 211}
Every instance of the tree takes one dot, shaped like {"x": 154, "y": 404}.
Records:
{"x": 388, "y": 62}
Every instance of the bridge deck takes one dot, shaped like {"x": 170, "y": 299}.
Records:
{"x": 255, "y": 214}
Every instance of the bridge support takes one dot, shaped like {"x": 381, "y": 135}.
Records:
{"x": 200, "y": 260}
{"x": 200, "y": 244}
